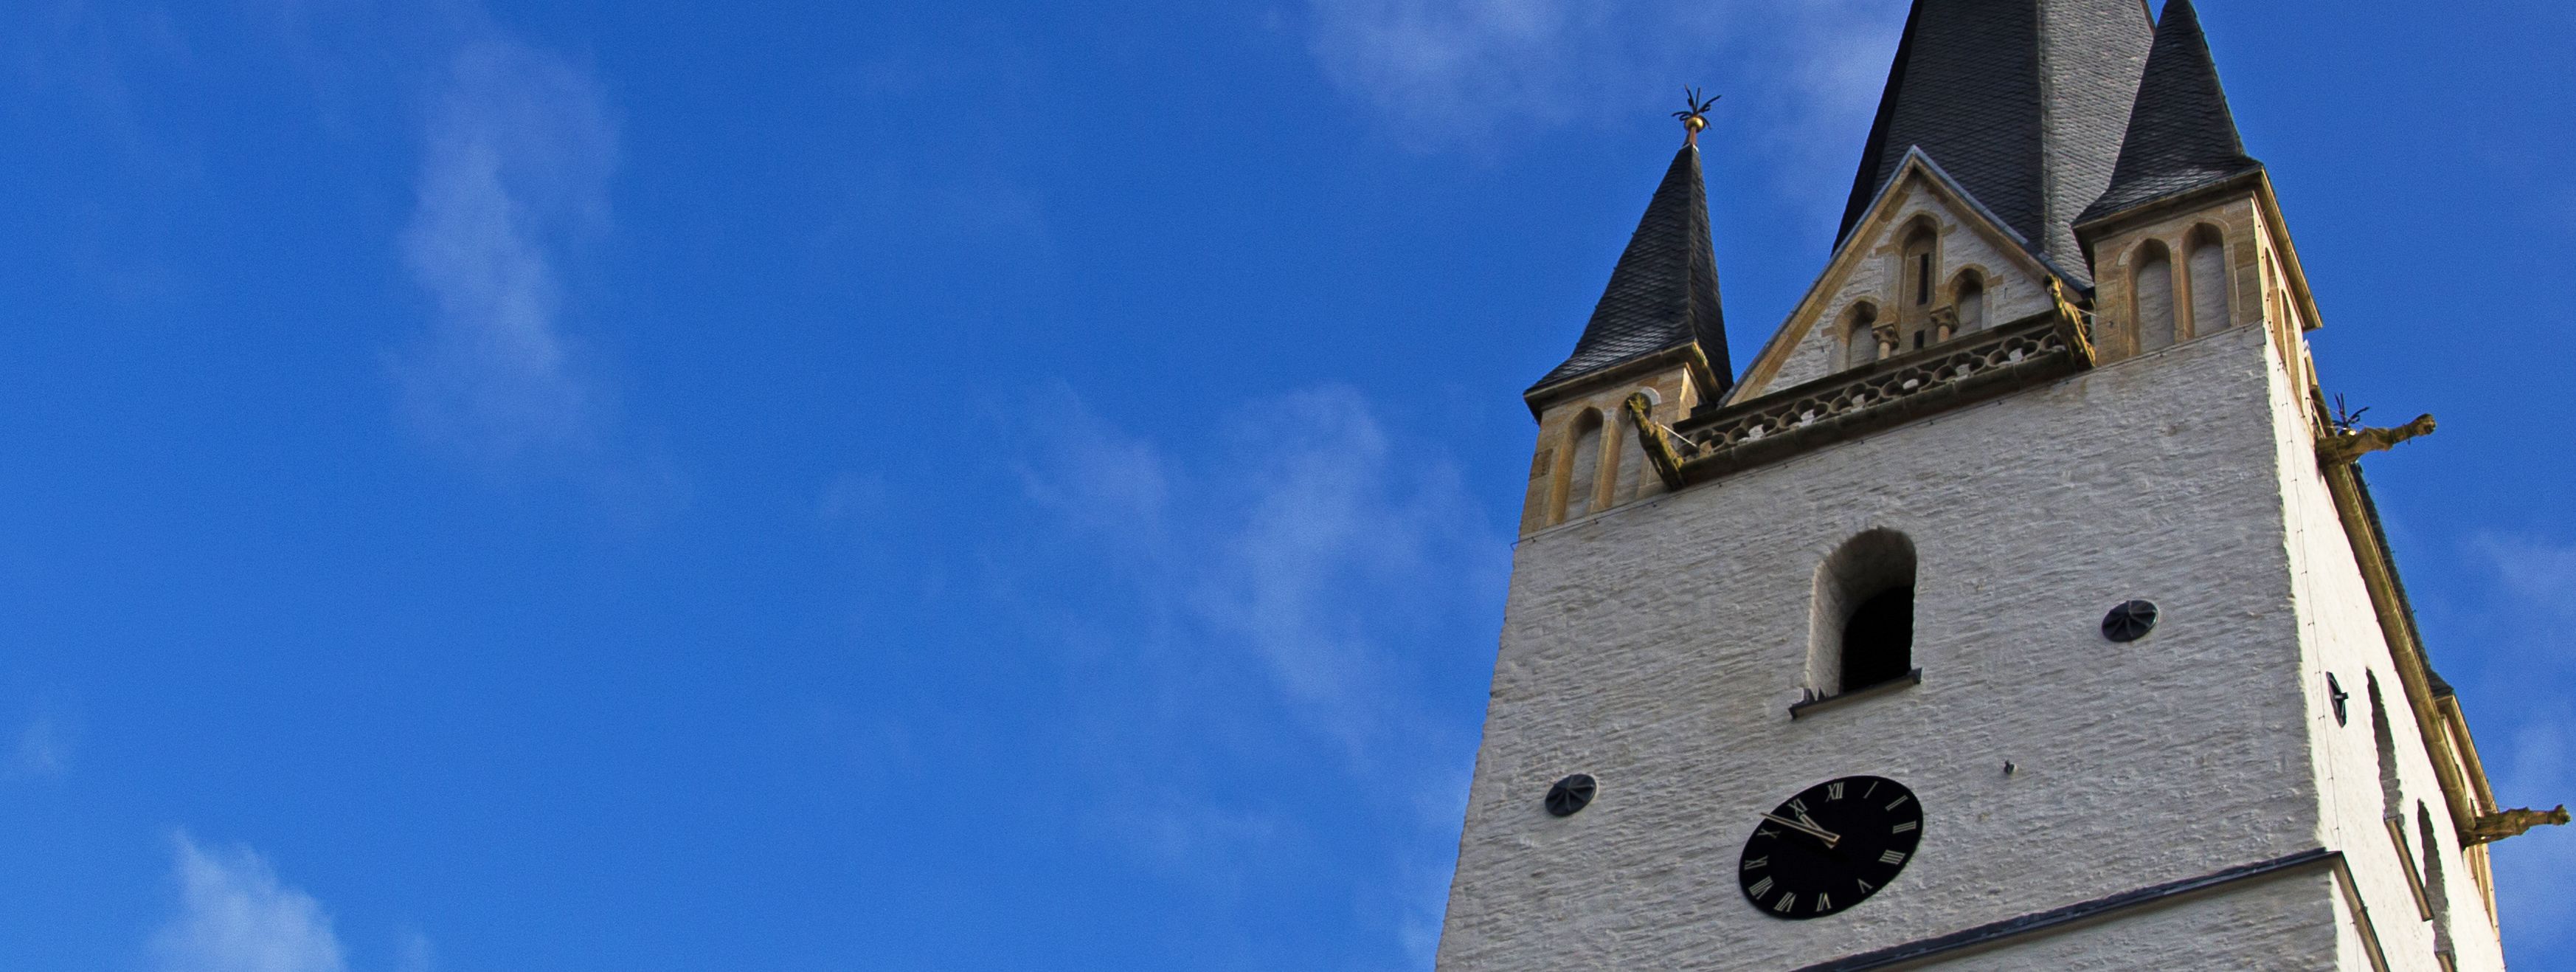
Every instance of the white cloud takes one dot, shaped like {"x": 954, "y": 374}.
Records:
{"x": 1334, "y": 524}
{"x": 1444, "y": 72}
{"x": 2523, "y": 614}
{"x": 234, "y": 916}
{"x": 412, "y": 953}
{"x": 2541, "y": 575}
{"x": 1099, "y": 478}
{"x": 2531, "y": 870}
{"x": 1298, "y": 536}
{"x": 516, "y": 162}
{"x": 1306, "y": 573}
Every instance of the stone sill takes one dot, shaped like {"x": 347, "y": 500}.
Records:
{"x": 1889, "y": 687}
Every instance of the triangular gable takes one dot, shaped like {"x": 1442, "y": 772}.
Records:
{"x": 1880, "y": 218}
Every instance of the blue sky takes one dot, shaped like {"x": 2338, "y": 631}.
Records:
{"x": 700, "y": 486}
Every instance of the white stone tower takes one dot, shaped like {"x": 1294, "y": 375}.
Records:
{"x": 2020, "y": 607}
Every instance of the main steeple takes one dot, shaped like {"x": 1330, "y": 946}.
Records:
{"x": 1662, "y": 296}
{"x": 2023, "y": 102}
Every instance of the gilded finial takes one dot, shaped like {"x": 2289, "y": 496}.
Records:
{"x": 1694, "y": 117}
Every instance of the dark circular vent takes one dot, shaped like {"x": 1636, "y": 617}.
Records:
{"x": 2130, "y": 622}
{"x": 1570, "y": 795}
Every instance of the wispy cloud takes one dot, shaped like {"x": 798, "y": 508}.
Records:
{"x": 1296, "y": 535}
{"x": 2533, "y": 762}
{"x": 517, "y": 155}
{"x": 2531, "y": 870}
{"x": 1449, "y": 72}
{"x": 235, "y": 916}
{"x": 45, "y": 743}
{"x": 1308, "y": 575}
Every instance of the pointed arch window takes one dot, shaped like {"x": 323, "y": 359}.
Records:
{"x": 2155, "y": 297}
{"x": 2207, "y": 269}
{"x": 1863, "y": 616}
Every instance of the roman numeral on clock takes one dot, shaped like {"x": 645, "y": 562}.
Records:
{"x": 1824, "y": 902}
{"x": 1906, "y": 827}
{"x": 1759, "y": 888}
{"x": 1833, "y": 791}
{"x": 1758, "y": 862}
{"x": 1788, "y": 900}
{"x": 1899, "y": 801}
{"x": 1892, "y": 857}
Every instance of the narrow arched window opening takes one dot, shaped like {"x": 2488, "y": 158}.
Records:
{"x": 1878, "y": 641}
{"x": 1972, "y": 302}
{"x": 2207, "y": 265}
{"x": 1583, "y": 473}
{"x": 2436, "y": 886}
{"x": 2155, "y": 298}
{"x": 1860, "y": 336}
{"x": 1921, "y": 266}
{"x": 1863, "y": 618}
{"x": 2384, "y": 738}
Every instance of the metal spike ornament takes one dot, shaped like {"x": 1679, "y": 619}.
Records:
{"x": 1695, "y": 117}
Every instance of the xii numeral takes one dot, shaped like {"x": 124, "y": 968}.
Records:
{"x": 1833, "y": 791}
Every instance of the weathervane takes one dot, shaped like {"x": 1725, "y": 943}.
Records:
{"x": 1695, "y": 117}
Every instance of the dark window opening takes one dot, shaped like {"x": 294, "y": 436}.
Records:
{"x": 1878, "y": 641}
{"x": 1922, "y": 278}
{"x": 1918, "y": 340}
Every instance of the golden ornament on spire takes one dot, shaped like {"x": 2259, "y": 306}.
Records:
{"x": 1694, "y": 117}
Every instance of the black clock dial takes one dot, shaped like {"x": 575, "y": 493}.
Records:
{"x": 1830, "y": 847}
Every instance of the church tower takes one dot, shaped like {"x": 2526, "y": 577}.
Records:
{"x": 2021, "y": 605}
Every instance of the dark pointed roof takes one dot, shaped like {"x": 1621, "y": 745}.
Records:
{"x": 2022, "y": 101}
{"x": 2181, "y": 135}
{"x": 1663, "y": 294}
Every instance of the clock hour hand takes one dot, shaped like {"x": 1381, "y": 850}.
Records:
{"x": 1829, "y": 837}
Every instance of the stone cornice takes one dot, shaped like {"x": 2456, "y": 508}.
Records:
{"x": 1963, "y": 371}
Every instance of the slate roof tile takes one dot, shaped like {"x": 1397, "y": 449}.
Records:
{"x": 2024, "y": 102}
{"x": 1663, "y": 294}
{"x": 2181, "y": 134}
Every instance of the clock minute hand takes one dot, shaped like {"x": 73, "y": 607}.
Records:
{"x": 1829, "y": 837}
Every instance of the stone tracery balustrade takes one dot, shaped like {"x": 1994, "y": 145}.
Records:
{"x": 1964, "y": 370}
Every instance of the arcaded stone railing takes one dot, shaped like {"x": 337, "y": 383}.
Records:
{"x": 1971, "y": 368}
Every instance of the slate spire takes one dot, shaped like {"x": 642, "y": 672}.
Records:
{"x": 2023, "y": 102}
{"x": 1663, "y": 294}
{"x": 2181, "y": 134}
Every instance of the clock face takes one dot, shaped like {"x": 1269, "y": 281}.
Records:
{"x": 1831, "y": 847}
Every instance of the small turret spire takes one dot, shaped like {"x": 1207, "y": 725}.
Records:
{"x": 2181, "y": 134}
{"x": 1662, "y": 296}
